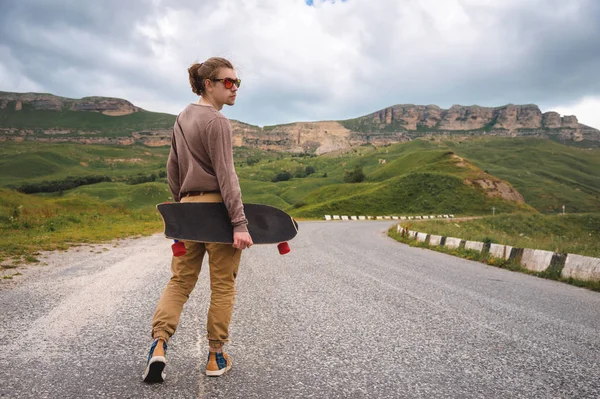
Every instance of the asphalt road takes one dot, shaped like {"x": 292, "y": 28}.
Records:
{"x": 348, "y": 313}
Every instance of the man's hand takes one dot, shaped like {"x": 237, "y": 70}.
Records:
{"x": 242, "y": 240}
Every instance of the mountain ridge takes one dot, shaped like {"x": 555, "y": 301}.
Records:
{"x": 397, "y": 123}
{"x": 45, "y": 101}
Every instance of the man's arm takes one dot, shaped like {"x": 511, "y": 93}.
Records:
{"x": 220, "y": 150}
{"x": 173, "y": 170}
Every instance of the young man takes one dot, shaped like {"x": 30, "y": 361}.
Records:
{"x": 200, "y": 169}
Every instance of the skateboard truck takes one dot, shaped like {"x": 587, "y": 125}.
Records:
{"x": 178, "y": 248}
{"x": 283, "y": 248}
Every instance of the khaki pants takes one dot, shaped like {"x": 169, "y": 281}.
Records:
{"x": 223, "y": 260}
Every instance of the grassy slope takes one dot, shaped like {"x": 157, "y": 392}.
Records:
{"x": 29, "y": 118}
{"x": 413, "y": 193}
{"x": 417, "y": 177}
{"x": 35, "y": 162}
{"x": 125, "y": 196}
{"x": 547, "y": 174}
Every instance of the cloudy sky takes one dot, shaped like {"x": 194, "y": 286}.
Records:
{"x": 309, "y": 60}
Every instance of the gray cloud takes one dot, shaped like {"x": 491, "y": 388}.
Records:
{"x": 331, "y": 61}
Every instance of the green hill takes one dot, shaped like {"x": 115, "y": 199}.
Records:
{"x": 413, "y": 193}
{"x": 414, "y": 178}
{"x": 77, "y": 121}
{"x": 35, "y": 162}
{"x": 546, "y": 173}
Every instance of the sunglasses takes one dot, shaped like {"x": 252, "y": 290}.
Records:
{"x": 228, "y": 82}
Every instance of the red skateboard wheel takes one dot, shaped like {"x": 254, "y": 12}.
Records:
{"x": 178, "y": 248}
{"x": 283, "y": 248}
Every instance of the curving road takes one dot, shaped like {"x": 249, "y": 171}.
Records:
{"x": 349, "y": 313}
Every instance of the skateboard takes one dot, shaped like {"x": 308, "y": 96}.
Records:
{"x": 209, "y": 222}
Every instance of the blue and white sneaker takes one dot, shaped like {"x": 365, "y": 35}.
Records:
{"x": 217, "y": 364}
{"x": 156, "y": 364}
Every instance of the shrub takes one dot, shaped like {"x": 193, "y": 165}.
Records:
{"x": 300, "y": 173}
{"x": 60, "y": 185}
{"x": 299, "y": 204}
{"x": 252, "y": 160}
{"x": 141, "y": 178}
{"x": 282, "y": 176}
{"x": 354, "y": 176}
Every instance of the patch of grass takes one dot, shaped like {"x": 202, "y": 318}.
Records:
{"x": 421, "y": 161}
{"x": 591, "y": 285}
{"x": 10, "y": 276}
{"x": 58, "y": 223}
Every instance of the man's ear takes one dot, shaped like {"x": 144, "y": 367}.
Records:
{"x": 208, "y": 84}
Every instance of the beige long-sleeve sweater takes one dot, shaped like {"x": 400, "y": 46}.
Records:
{"x": 201, "y": 159}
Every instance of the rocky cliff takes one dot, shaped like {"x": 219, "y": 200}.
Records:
{"x": 431, "y": 117}
{"x": 49, "y": 102}
{"x": 509, "y": 120}
{"x": 394, "y": 124}
{"x": 406, "y": 122}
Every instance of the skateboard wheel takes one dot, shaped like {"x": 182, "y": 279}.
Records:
{"x": 283, "y": 248}
{"x": 178, "y": 248}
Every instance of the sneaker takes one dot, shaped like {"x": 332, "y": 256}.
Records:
{"x": 156, "y": 364}
{"x": 217, "y": 364}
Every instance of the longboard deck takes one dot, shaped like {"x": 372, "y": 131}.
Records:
{"x": 209, "y": 222}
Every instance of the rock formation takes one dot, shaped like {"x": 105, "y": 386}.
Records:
{"x": 49, "y": 102}
{"x": 431, "y": 117}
